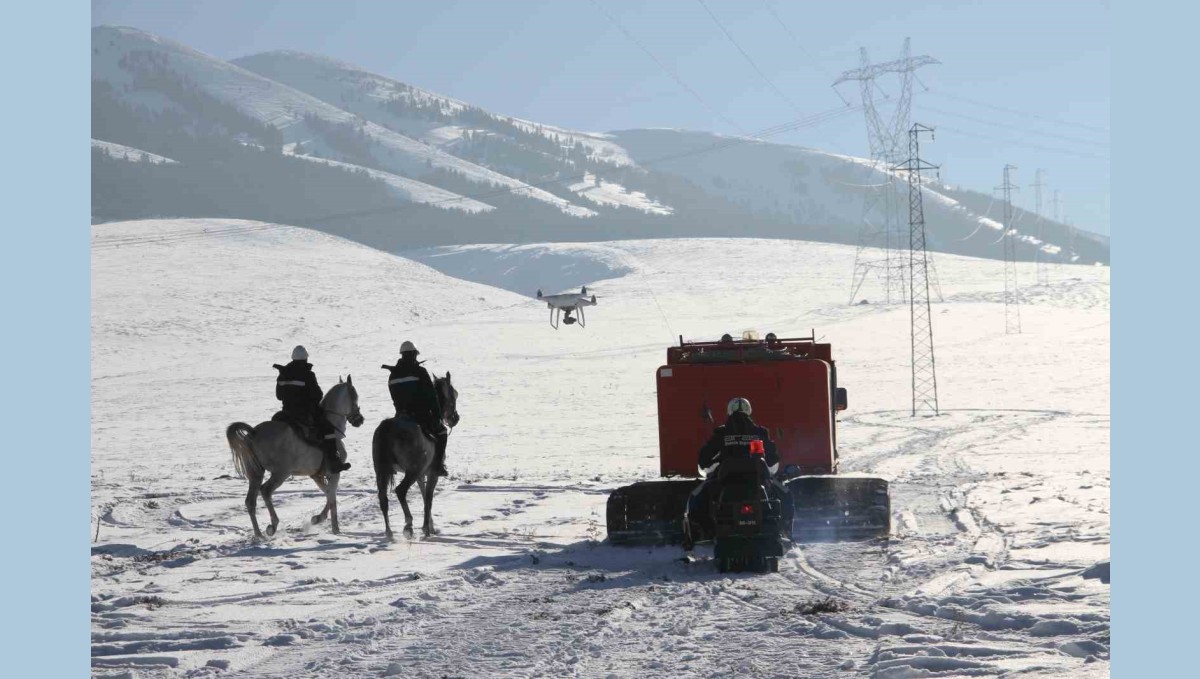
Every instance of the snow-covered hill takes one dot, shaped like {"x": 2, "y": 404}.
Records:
{"x": 140, "y": 67}
{"x": 1001, "y": 503}
{"x": 814, "y": 186}
{"x": 496, "y": 178}
{"x": 455, "y": 125}
{"x": 399, "y": 105}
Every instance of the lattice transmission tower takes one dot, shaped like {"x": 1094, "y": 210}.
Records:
{"x": 1064, "y": 253}
{"x": 1012, "y": 295}
{"x": 924, "y": 374}
{"x": 882, "y": 237}
{"x": 1043, "y": 276}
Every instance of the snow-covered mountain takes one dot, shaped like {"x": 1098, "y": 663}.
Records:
{"x": 304, "y": 139}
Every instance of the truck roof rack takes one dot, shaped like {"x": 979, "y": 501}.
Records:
{"x": 732, "y": 350}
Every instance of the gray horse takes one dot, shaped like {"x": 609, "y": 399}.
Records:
{"x": 400, "y": 445}
{"x": 275, "y": 447}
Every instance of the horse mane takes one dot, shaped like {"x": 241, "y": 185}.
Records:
{"x": 335, "y": 392}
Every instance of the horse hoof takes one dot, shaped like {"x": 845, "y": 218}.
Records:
{"x": 408, "y": 533}
{"x": 317, "y": 518}
{"x": 336, "y": 530}
{"x": 391, "y": 537}
{"x": 270, "y": 531}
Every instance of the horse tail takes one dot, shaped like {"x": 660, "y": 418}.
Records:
{"x": 241, "y": 444}
{"x": 385, "y": 470}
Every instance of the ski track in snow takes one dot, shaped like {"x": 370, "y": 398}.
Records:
{"x": 1000, "y": 504}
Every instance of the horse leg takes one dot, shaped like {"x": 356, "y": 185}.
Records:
{"x": 319, "y": 479}
{"x": 402, "y": 493}
{"x": 251, "y": 501}
{"x": 381, "y": 485}
{"x": 430, "y": 484}
{"x": 268, "y": 489}
{"x": 331, "y": 502}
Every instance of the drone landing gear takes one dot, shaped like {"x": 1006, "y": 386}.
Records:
{"x": 558, "y": 313}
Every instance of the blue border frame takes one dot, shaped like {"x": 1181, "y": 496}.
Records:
{"x": 46, "y": 339}
{"x": 1154, "y": 376}
{"x": 45, "y": 276}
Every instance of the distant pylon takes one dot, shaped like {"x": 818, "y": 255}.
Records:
{"x": 1071, "y": 239}
{"x": 1043, "y": 277}
{"x": 924, "y": 374}
{"x": 1012, "y": 295}
{"x": 1063, "y": 253}
{"x": 881, "y": 238}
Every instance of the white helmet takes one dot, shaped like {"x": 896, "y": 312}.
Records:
{"x": 738, "y": 405}
{"x": 407, "y": 347}
{"x": 299, "y": 354}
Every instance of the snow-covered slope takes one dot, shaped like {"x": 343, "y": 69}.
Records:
{"x": 820, "y": 187}
{"x": 1001, "y": 503}
{"x": 408, "y": 189}
{"x": 445, "y": 122}
{"x": 368, "y": 94}
{"x": 121, "y": 54}
{"x": 129, "y": 153}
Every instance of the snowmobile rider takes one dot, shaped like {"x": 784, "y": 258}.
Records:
{"x": 414, "y": 396}
{"x": 297, "y": 387}
{"x": 738, "y": 434}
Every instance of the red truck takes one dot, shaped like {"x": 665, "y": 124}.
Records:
{"x": 792, "y": 386}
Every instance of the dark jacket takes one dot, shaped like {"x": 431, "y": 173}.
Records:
{"x": 412, "y": 391}
{"x": 297, "y": 387}
{"x": 735, "y": 436}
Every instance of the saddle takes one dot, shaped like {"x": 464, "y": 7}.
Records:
{"x": 420, "y": 425}
{"x": 305, "y": 430}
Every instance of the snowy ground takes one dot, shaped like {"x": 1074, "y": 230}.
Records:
{"x": 1001, "y": 503}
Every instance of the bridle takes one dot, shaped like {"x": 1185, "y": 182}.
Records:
{"x": 353, "y": 414}
{"x": 447, "y": 405}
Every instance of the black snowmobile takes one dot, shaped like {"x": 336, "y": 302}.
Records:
{"x": 752, "y": 516}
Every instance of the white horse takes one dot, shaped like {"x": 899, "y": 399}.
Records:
{"x": 275, "y": 447}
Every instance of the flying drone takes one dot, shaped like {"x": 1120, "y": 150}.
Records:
{"x": 564, "y": 304}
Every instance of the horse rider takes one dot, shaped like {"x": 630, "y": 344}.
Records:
{"x": 297, "y": 387}
{"x": 414, "y": 396}
{"x": 739, "y": 434}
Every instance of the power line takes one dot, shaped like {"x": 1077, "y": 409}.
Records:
{"x": 117, "y": 242}
{"x": 1063, "y": 137}
{"x": 800, "y": 44}
{"x": 1102, "y": 130}
{"x": 810, "y": 121}
{"x": 666, "y": 69}
{"x": 753, "y": 65}
{"x": 1048, "y": 149}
